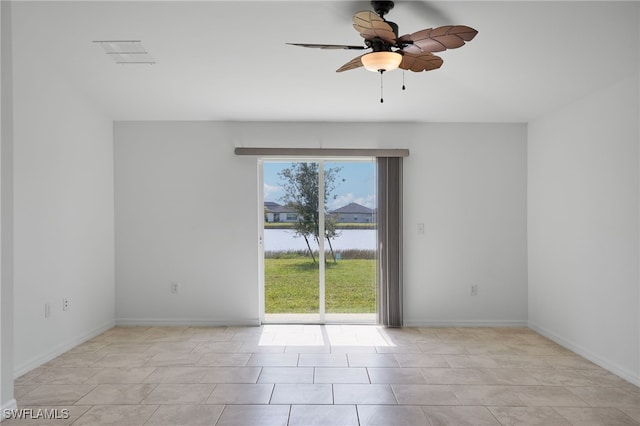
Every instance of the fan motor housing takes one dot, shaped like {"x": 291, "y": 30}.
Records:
{"x": 382, "y": 7}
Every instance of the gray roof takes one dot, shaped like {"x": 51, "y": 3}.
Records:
{"x": 273, "y": 207}
{"x": 353, "y": 208}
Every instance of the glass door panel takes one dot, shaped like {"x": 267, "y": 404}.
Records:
{"x": 320, "y": 241}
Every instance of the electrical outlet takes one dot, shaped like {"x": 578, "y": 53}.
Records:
{"x": 473, "y": 290}
{"x": 47, "y": 310}
{"x": 175, "y": 288}
{"x": 65, "y": 304}
{"x": 420, "y": 228}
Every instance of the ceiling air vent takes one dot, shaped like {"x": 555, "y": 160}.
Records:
{"x": 126, "y": 51}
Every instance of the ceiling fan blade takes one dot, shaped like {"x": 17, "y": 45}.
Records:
{"x": 439, "y": 39}
{"x": 370, "y": 26}
{"x": 422, "y": 62}
{"x": 352, "y": 64}
{"x": 328, "y": 46}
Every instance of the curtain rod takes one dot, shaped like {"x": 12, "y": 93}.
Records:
{"x": 323, "y": 152}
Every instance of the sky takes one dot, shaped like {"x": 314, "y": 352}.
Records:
{"x": 356, "y": 183}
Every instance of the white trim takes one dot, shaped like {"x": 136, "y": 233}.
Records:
{"x": 464, "y": 323}
{"x": 187, "y": 322}
{"x": 613, "y": 367}
{"x": 321, "y": 234}
{"x": 25, "y": 367}
{"x": 8, "y": 406}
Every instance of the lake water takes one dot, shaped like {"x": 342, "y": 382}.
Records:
{"x": 285, "y": 239}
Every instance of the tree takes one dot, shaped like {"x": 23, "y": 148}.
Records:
{"x": 301, "y": 192}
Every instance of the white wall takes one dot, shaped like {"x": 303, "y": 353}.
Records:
{"x": 63, "y": 213}
{"x": 186, "y": 211}
{"x": 583, "y": 221}
{"x": 6, "y": 217}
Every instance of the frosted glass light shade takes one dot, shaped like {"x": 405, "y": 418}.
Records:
{"x": 386, "y": 61}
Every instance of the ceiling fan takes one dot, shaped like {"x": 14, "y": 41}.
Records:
{"x": 412, "y": 52}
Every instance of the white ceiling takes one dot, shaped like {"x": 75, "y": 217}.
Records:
{"x": 229, "y": 61}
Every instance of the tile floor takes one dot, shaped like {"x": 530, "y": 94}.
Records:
{"x": 325, "y": 375}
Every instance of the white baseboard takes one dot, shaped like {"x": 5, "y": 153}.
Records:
{"x": 187, "y": 322}
{"x": 465, "y": 323}
{"x": 616, "y": 369}
{"x": 8, "y": 406}
{"x": 24, "y": 367}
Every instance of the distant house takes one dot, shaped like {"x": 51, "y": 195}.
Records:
{"x": 354, "y": 212}
{"x": 274, "y": 212}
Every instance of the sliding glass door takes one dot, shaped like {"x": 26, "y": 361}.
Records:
{"x": 319, "y": 240}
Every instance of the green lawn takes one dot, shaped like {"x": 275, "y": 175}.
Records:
{"x": 291, "y": 286}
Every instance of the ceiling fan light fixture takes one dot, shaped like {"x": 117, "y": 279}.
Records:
{"x": 381, "y": 61}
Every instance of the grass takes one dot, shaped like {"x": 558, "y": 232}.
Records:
{"x": 291, "y": 285}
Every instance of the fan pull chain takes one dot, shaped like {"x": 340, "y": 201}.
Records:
{"x": 403, "y": 88}
{"x": 381, "y": 88}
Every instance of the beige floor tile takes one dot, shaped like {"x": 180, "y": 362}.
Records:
{"x": 304, "y": 394}
{"x": 341, "y": 375}
{"x": 173, "y": 347}
{"x": 286, "y": 375}
{"x": 452, "y": 376}
{"x": 372, "y": 360}
{"x": 117, "y": 394}
{"x": 471, "y": 361}
{"x": 21, "y": 390}
{"x": 550, "y": 396}
{"x": 243, "y": 393}
{"x": 254, "y": 415}
{"x": 385, "y": 415}
{"x": 219, "y": 347}
{"x": 127, "y": 348}
{"x": 425, "y": 395}
{"x": 170, "y": 394}
{"x": 322, "y": 360}
{"x": 65, "y": 376}
{"x": 224, "y": 360}
{"x": 119, "y": 415}
{"x": 396, "y": 375}
{"x": 439, "y": 348}
{"x": 408, "y": 348}
{"x": 309, "y": 349}
{"x": 421, "y": 360}
{"x": 121, "y": 375}
{"x": 608, "y": 397}
{"x": 122, "y": 360}
{"x": 529, "y": 416}
{"x": 169, "y": 359}
{"x": 178, "y": 375}
{"x": 273, "y": 360}
{"x": 507, "y": 376}
{"x": 55, "y": 395}
{"x": 196, "y": 415}
{"x": 487, "y": 395}
{"x": 564, "y": 377}
{"x": 323, "y": 415}
{"x": 595, "y": 416}
{"x": 350, "y": 349}
{"x": 363, "y": 394}
{"x": 526, "y": 362}
{"x": 460, "y": 416}
{"x": 634, "y": 413}
{"x": 231, "y": 375}
{"x": 190, "y": 372}
{"x": 83, "y": 359}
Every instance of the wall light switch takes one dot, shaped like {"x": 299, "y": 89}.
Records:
{"x": 420, "y": 228}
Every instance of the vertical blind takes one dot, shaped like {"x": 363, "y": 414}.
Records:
{"x": 390, "y": 241}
